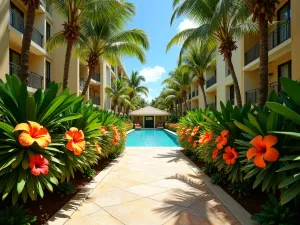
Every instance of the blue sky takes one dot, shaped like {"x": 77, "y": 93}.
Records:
{"x": 153, "y": 16}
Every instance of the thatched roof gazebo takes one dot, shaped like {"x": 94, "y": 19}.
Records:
{"x": 149, "y": 117}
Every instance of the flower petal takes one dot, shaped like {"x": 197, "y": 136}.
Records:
{"x": 259, "y": 161}
{"x": 251, "y": 152}
{"x": 35, "y": 171}
{"x": 34, "y": 127}
{"x": 224, "y": 133}
{"x": 25, "y": 139}
{"x": 22, "y": 126}
{"x": 219, "y": 146}
{"x": 43, "y": 142}
{"x": 73, "y": 129}
{"x": 69, "y": 135}
{"x": 257, "y": 142}
{"x": 228, "y": 149}
{"x": 270, "y": 140}
{"x": 271, "y": 155}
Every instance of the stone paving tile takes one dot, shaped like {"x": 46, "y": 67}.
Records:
{"x": 144, "y": 212}
{"x": 146, "y": 190}
{"x": 98, "y": 218}
{"x": 85, "y": 209}
{"x": 185, "y": 218}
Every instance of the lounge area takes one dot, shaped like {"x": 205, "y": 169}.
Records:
{"x": 149, "y": 117}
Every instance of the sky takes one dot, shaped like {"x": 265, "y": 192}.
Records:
{"x": 153, "y": 16}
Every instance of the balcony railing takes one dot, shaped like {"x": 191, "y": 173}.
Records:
{"x": 17, "y": 22}
{"x": 34, "y": 80}
{"x": 211, "y": 81}
{"x": 276, "y": 37}
{"x": 212, "y": 104}
{"x": 252, "y": 95}
{"x": 95, "y": 100}
{"x": 96, "y": 76}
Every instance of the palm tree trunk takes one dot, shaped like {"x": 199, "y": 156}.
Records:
{"x": 115, "y": 107}
{"x": 67, "y": 63}
{"x": 186, "y": 106}
{"x": 235, "y": 82}
{"x": 204, "y": 95}
{"x": 24, "y": 64}
{"x": 87, "y": 83}
{"x": 263, "y": 56}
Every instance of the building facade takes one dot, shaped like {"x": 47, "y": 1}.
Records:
{"x": 284, "y": 52}
{"x": 44, "y": 66}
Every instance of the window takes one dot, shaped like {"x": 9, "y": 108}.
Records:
{"x": 107, "y": 75}
{"x": 231, "y": 89}
{"x": 284, "y": 15}
{"x": 48, "y": 31}
{"x": 284, "y": 70}
{"x": 14, "y": 62}
{"x": 48, "y": 73}
{"x": 16, "y": 18}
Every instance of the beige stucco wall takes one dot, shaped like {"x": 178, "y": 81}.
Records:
{"x": 4, "y": 39}
{"x": 295, "y": 4}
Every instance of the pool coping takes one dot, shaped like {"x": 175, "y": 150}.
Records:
{"x": 238, "y": 211}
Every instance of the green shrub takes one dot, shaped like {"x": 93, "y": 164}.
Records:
{"x": 209, "y": 168}
{"x": 65, "y": 188}
{"x": 240, "y": 188}
{"x": 274, "y": 213}
{"x": 16, "y": 215}
{"x": 218, "y": 178}
{"x": 89, "y": 173}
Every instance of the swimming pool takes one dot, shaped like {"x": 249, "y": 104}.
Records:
{"x": 151, "y": 138}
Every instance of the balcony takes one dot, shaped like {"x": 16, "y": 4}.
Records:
{"x": 211, "y": 81}
{"x": 34, "y": 80}
{"x": 96, "y": 77}
{"x": 195, "y": 93}
{"x": 95, "y": 100}
{"x": 276, "y": 37}
{"x": 252, "y": 95}
{"x": 18, "y": 22}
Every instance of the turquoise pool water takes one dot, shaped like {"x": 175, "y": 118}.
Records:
{"x": 151, "y": 138}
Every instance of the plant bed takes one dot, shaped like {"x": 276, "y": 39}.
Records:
{"x": 252, "y": 202}
{"x": 45, "y": 208}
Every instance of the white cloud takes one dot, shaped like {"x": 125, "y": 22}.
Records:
{"x": 152, "y": 74}
{"x": 187, "y": 24}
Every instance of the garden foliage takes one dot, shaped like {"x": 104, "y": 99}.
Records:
{"x": 261, "y": 147}
{"x": 47, "y": 136}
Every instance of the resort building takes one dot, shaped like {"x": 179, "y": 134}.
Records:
{"x": 44, "y": 66}
{"x": 284, "y": 51}
{"x": 149, "y": 117}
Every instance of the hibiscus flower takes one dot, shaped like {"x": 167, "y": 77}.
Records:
{"x": 215, "y": 153}
{"x": 38, "y": 164}
{"x": 76, "y": 142}
{"x": 263, "y": 150}
{"x": 206, "y": 137}
{"x": 230, "y": 155}
{"x": 222, "y": 139}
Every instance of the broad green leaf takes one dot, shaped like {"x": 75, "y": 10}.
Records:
{"x": 290, "y": 193}
{"x": 245, "y": 128}
{"x": 289, "y": 180}
{"x": 293, "y": 134}
{"x": 291, "y": 87}
{"x": 254, "y": 122}
{"x": 289, "y": 167}
{"x": 284, "y": 111}
{"x": 21, "y": 180}
{"x": 18, "y": 159}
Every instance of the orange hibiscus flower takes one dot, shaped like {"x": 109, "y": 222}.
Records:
{"x": 76, "y": 142}
{"x": 195, "y": 144}
{"x": 187, "y": 132}
{"x": 206, "y": 137}
{"x": 222, "y": 139}
{"x": 190, "y": 138}
{"x": 38, "y": 164}
{"x": 215, "y": 153}
{"x": 195, "y": 130}
{"x": 230, "y": 155}
{"x": 33, "y": 132}
{"x": 103, "y": 130}
{"x": 98, "y": 148}
{"x": 263, "y": 150}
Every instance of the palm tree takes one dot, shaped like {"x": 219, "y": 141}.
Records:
{"x": 142, "y": 102}
{"x": 219, "y": 20}
{"x": 179, "y": 81}
{"x": 75, "y": 12}
{"x": 263, "y": 12}
{"x": 199, "y": 57}
{"x": 134, "y": 86}
{"x": 105, "y": 40}
{"x": 117, "y": 92}
{"x": 32, "y": 5}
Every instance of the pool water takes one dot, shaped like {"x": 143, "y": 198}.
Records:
{"x": 151, "y": 138}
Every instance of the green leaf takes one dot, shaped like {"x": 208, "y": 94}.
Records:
{"x": 18, "y": 159}
{"x": 289, "y": 167}
{"x": 31, "y": 187}
{"x": 290, "y": 193}
{"x": 25, "y": 162}
{"x": 252, "y": 173}
{"x": 21, "y": 180}
{"x": 291, "y": 87}
{"x": 12, "y": 179}
{"x": 8, "y": 130}
{"x": 8, "y": 162}
{"x": 272, "y": 121}
{"x": 284, "y": 111}
{"x": 245, "y": 128}
{"x": 254, "y": 122}
{"x": 292, "y": 134}
{"x": 289, "y": 180}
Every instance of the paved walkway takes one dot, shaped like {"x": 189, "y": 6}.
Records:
{"x": 152, "y": 187}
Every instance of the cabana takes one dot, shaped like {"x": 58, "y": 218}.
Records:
{"x": 149, "y": 117}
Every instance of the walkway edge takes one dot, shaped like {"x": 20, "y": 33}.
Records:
{"x": 242, "y": 215}
{"x": 65, "y": 213}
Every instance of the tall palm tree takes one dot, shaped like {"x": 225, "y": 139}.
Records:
{"x": 263, "y": 12}
{"x": 180, "y": 79}
{"x": 117, "y": 92}
{"x": 105, "y": 40}
{"x": 75, "y": 12}
{"x": 134, "y": 86}
{"x": 32, "y": 5}
{"x": 199, "y": 57}
{"x": 219, "y": 20}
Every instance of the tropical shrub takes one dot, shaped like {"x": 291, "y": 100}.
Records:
{"x": 65, "y": 188}
{"x": 47, "y": 136}
{"x": 218, "y": 178}
{"x": 89, "y": 173}
{"x": 274, "y": 213}
{"x": 240, "y": 188}
{"x": 171, "y": 126}
{"x": 16, "y": 215}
